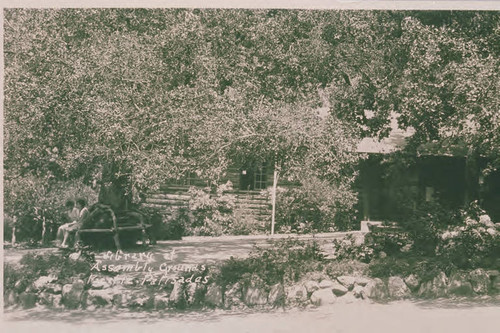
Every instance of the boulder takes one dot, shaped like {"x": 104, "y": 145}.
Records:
{"x": 57, "y": 302}
{"x": 43, "y": 281}
{"x": 177, "y": 295}
{"x": 100, "y": 283}
{"x": 28, "y": 300}
{"x": 480, "y": 281}
{"x": 376, "y": 290}
{"x": 276, "y": 295}
{"x": 10, "y": 298}
{"x": 440, "y": 284}
{"x": 311, "y": 286}
{"x": 459, "y": 285}
{"x": 362, "y": 281}
{"x": 437, "y": 287}
{"x": 348, "y": 298}
{"x": 149, "y": 304}
{"x": 142, "y": 301}
{"x": 412, "y": 282}
{"x": 160, "y": 301}
{"x": 338, "y": 289}
{"x": 120, "y": 298}
{"x": 425, "y": 290}
{"x": 296, "y": 294}
{"x": 100, "y": 298}
{"x": 326, "y": 283}
{"x": 357, "y": 291}
{"x": 214, "y": 296}
{"x": 323, "y": 297}
{"x": 397, "y": 288}
{"x": 72, "y": 294}
{"x": 53, "y": 288}
{"x": 194, "y": 293}
{"x": 233, "y": 296}
{"x": 347, "y": 281}
{"x": 45, "y": 298}
{"x": 255, "y": 296}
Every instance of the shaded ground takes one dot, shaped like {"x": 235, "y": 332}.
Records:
{"x": 436, "y": 316}
{"x": 142, "y": 266}
{"x": 199, "y": 250}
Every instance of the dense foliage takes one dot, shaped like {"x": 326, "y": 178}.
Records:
{"x": 284, "y": 261}
{"x": 115, "y": 97}
{"x": 315, "y": 207}
{"x": 63, "y": 267}
{"x": 30, "y": 202}
{"x": 437, "y": 240}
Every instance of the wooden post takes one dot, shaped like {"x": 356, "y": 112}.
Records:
{"x": 273, "y": 197}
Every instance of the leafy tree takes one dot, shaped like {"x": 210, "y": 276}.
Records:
{"x": 314, "y": 150}
{"x": 129, "y": 98}
{"x": 438, "y": 72}
{"x": 119, "y": 95}
{"x": 449, "y": 90}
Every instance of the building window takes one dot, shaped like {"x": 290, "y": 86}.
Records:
{"x": 261, "y": 177}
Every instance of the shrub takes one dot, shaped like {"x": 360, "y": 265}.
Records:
{"x": 315, "y": 206}
{"x": 8, "y": 224}
{"x": 347, "y": 249}
{"x": 425, "y": 225}
{"x": 465, "y": 240}
{"x": 33, "y": 265}
{"x": 31, "y": 201}
{"x": 475, "y": 243}
{"x": 284, "y": 261}
{"x": 425, "y": 268}
{"x": 174, "y": 229}
{"x": 212, "y": 209}
{"x": 295, "y": 210}
{"x": 388, "y": 240}
{"x": 166, "y": 226}
{"x": 246, "y": 225}
{"x": 341, "y": 267}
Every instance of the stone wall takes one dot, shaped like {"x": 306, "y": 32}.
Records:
{"x": 315, "y": 289}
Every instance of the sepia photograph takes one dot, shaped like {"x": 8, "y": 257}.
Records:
{"x": 251, "y": 169}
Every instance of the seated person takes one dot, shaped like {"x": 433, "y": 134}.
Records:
{"x": 68, "y": 228}
{"x": 72, "y": 214}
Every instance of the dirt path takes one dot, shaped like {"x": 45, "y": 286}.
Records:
{"x": 200, "y": 250}
{"x": 407, "y": 317}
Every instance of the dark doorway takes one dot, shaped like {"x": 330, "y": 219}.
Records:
{"x": 253, "y": 177}
{"x": 246, "y": 179}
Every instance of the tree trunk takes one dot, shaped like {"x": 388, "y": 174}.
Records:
{"x": 45, "y": 239}
{"x": 13, "y": 239}
{"x": 273, "y": 197}
{"x": 114, "y": 191}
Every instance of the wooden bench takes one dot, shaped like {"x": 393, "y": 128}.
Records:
{"x": 116, "y": 229}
